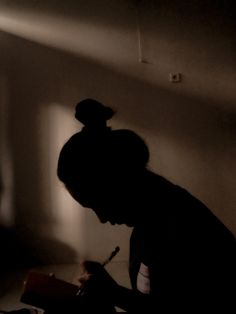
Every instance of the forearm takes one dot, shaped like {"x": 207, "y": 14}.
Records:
{"x": 131, "y": 301}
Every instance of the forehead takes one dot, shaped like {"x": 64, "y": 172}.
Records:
{"x": 90, "y": 195}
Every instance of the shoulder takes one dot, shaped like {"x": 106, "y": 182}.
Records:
{"x": 177, "y": 215}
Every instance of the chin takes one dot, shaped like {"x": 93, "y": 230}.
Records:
{"x": 120, "y": 222}
{"x": 130, "y": 224}
{"x": 112, "y": 222}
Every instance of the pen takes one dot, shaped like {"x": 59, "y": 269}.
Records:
{"x": 112, "y": 255}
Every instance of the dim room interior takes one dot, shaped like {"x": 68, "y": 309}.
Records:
{"x": 168, "y": 69}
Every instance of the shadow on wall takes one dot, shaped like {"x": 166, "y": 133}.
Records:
{"x": 18, "y": 254}
{"x": 55, "y": 77}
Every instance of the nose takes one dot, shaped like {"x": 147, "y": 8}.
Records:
{"x": 101, "y": 215}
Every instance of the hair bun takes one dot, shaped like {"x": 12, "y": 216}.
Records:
{"x": 92, "y": 113}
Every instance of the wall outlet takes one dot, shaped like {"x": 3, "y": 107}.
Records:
{"x": 175, "y": 77}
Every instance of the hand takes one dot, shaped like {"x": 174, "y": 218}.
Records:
{"x": 95, "y": 279}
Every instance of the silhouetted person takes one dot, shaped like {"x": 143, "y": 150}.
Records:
{"x": 182, "y": 257}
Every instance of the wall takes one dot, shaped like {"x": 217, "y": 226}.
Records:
{"x": 121, "y": 53}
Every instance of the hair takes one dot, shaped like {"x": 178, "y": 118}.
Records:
{"x": 97, "y": 151}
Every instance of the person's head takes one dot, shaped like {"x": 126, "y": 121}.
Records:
{"x": 101, "y": 167}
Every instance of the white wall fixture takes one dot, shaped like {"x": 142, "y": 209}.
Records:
{"x": 175, "y": 77}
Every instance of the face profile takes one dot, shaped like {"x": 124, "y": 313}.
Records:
{"x": 99, "y": 166}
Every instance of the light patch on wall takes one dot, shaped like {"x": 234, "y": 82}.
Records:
{"x": 6, "y": 169}
{"x": 68, "y": 217}
{"x": 98, "y": 42}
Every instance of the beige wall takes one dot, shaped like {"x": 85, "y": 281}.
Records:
{"x": 54, "y": 55}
